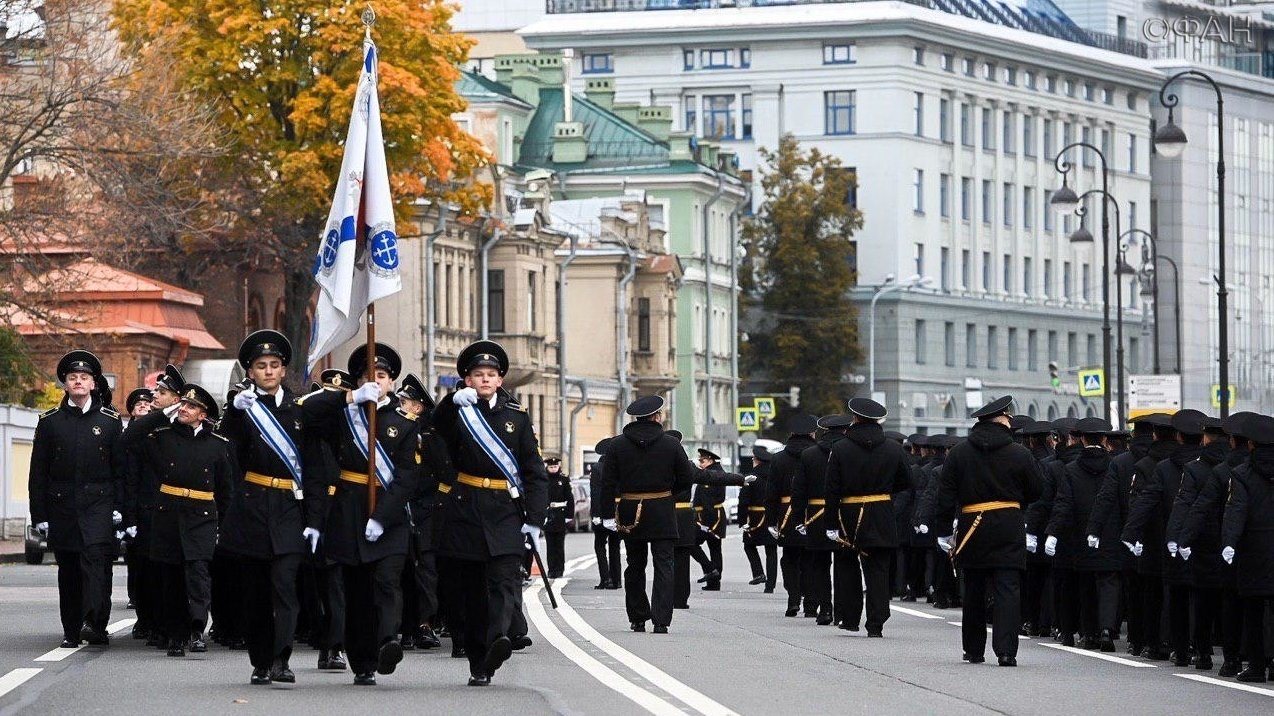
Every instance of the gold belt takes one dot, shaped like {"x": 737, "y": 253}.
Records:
{"x": 785, "y": 500}
{"x": 817, "y": 502}
{"x": 266, "y": 481}
{"x": 756, "y": 509}
{"x": 444, "y": 488}
{"x": 641, "y": 498}
{"x": 331, "y": 490}
{"x": 863, "y": 499}
{"x": 684, "y": 505}
{"x": 185, "y": 492}
{"x": 988, "y": 506}
{"x": 485, "y": 483}
{"x": 645, "y": 495}
{"x": 354, "y": 477}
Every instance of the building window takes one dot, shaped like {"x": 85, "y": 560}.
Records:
{"x": 691, "y": 116}
{"x": 838, "y": 112}
{"x": 1108, "y": 95}
{"x": 945, "y": 269}
{"x": 920, "y": 114}
{"x": 747, "y": 115}
{"x": 918, "y": 190}
{"x": 1132, "y": 153}
{"x": 920, "y": 342}
{"x": 966, "y": 198}
{"x": 1072, "y": 349}
{"x": 988, "y": 199}
{"x": 918, "y": 55}
{"x": 1067, "y": 134}
{"x": 1068, "y": 87}
{"x": 1089, "y": 91}
{"x": 948, "y": 62}
{"x": 1010, "y": 76}
{"x": 1105, "y": 143}
{"x": 1048, "y": 210}
{"x": 971, "y": 343}
{"x": 688, "y": 59}
{"x": 715, "y": 59}
{"x": 1085, "y": 282}
{"x": 1007, "y": 274}
{"x": 1028, "y": 135}
{"x": 1032, "y": 349}
{"x": 1008, "y": 202}
{"x": 842, "y": 54}
{"x": 1012, "y": 349}
{"x": 966, "y": 125}
{"x": 1132, "y": 100}
{"x": 988, "y": 71}
{"x": 1132, "y": 215}
{"x": 944, "y": 195}
{"x": 966, "y": 265}
{"x": 920, "y": 259}
{"x": 1092, "y": 349}
{"x": 1048, "y": 140}
{"x": 944, "y": 120}
{"x": 986, "y": 271}
{"x": 1030, "y": 79}
{"x": 598, "y": 63}
{"x": 718, "y": 116}
{"x": 643, "y": 324}
{"x": 745, "y": 57}
{"x": 969, "y": 67}
{"x": 1048, "y": 278}
{"x": 948, "y": 343}
{"x": 1052, "y": 346}
{"x": 1086, "y": 136}
{"x": 495, "y": 300}
{"x": 851, "y": 198}
{"x": 532, "y": 302}
{"x": 1028, "y": 206}
{"x": 1050, "y": 84}
{"x": 1027, "y": 276}
{"x": 1010, "y": 132}
{"x": 988, "y": 129}
{"x": 992, "y": 349}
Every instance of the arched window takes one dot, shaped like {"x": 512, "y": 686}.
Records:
{"x": 1090, "y": 412}
{"x": 1052, "y": 412}
{"x": 1072, "y": 411}
{"x": 948, "y": 411}
{"x": 256, "y": 312}
{"x": 1033, "y": 410}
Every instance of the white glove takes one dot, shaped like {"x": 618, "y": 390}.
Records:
{"x": 609, "y": 524}
{"x": 367, "y": 393}
{"x": 1050, "y": 546}
{"x": 116, "y": 517}
{"x": 465, "y": 397}
{"x": 802, "y": 530}
{"x": 119, "y": 535}
{"x": 833, "y": 536}
{"x": 749, "y": 479}
{"x": 42, "y": 528}
{"x": 1172, "y": 548}
{"x": 1032, "y": 543}
{"x": 534, "y": 533}
{"x": 1184, "y": 553}
{"x": 945, "y": 544}
{"x": 1131, "y": 548}
{"x": 131, "y": 532}
{"x": 245, "y": 399}
{"x": 596, "y": 521}
{"x": 774, "y": 532}
{"x": 704, "y": 528}
{"x": 1228, "y": 555}
{"x": 922, "y": 529}
{"x": 1094, "y": 541}
{"x": 1137, "y": 548}
{"x": 311, "y": 535}
{"x": 373, "y": 531}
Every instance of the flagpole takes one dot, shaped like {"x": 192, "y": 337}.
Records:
{"x": 369, "y": 19}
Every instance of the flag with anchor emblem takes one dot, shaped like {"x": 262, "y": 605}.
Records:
{"x": 357, "y": 261}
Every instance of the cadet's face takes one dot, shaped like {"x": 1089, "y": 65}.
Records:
{"x": 384, "y": 381}
{"x": 267, "y": 372}
{"x": 79, "y": 384}
{"x": 140, "y": 408}
{"x": 484, "y": 380}
{"x": 191, "y": 414}
{"x": 164, "y": 398}
{"x": 553, "y": 469}
{"x": 412, "y": 406}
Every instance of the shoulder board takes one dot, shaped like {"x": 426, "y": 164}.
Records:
{"x": 221, "y": 437}
{"x": 159, "y": 430}
{"x": 50, "y": 411}
{"x": 109, "y": 413}
{"x": 511, "y": 405}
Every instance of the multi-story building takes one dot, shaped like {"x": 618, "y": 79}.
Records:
{"x": 951, "y": 125}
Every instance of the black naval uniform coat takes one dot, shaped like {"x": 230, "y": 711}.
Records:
{"x": 810, "y": 484}
{"x": 645, "y": 459}
{"x": 756, "y": 521}
{"x": 1151, "y": 507}
{"x": 708, "y": 502}
{"x": 265, "y": 522}
{"x": 77, "y": 476}
{"x": 1201, "y": 530}
{"x": 866, "y": 463}
{"x": 1149, "y": 562}
{"x": 477, "y": 523}
{"x": 561, "y": 503}
{"x": 1073, "y": 506}
{"x": 1249, "y": 524}
{"x": 778, "y": 502}
{"x": 1194, "y": 477}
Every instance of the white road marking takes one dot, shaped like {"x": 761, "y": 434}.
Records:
{"x": 1227, "y": 684}
{"x": 59, "y": 653}
{"x": 604, "y": 674}
{"x": 16, "y": 678}
{"x": 121, "y": 625}
{"x": 913, "y": 612}
{"x": 1099, "y": 655}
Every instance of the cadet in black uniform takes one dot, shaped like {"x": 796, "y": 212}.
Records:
{"x": 863, "y": 472}
{"x": 1037, "y": 611}
{"x": 484, "y": 525}
{"x": 809, "y": 507}
{"x": 605, "y": 542}
{"x": 136, "y": 405}
{"x": 561, "y": 510}
{"x": 779, "y": 513}
{"x": 420, "y": 602}
{"x": 329, "y": 583}
{"x": 990, "y": 477}
{"x": 370, "y": 546}
{"x": 1248, "y": 535}
{"x": 709, "y": 507}
{"x": 276, "y": 516}
{"x": 752, "y": 519}
{"x": 192, "y": 466}
{"x": 78, "y": 497}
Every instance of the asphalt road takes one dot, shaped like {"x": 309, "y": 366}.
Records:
{"x": 732, "y": 652}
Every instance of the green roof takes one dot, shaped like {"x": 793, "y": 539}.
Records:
{"x": 473, "y": 86}
{"x": 613, "y": 143}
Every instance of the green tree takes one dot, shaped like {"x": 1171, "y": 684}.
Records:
{"x": 18, "y": 374}
{"x": 802, "y": 329}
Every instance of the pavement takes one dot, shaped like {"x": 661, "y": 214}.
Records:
{"x": 733, "y": 652}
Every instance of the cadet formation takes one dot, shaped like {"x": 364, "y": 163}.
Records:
{"x": 260, "y": 521}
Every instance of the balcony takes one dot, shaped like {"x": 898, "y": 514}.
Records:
{"x": 1252, "y": 63}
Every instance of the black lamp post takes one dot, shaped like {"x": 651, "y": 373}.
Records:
{"x": 1065, "y": 200}
{"x": 1150, "y": 258}
{"x": 1082, "y": 235}
{"x": 1170, "y": 141}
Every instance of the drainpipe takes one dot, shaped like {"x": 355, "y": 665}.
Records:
{"x": 621, "y": 329}
{"x": 583, "y": 403}
{"x": 431, "y": 308}
{"x": 484, "y": 256}
{"x": 561, "y": 343}
{"x": 707, "y": 282}
{"x": 734, "y": 292}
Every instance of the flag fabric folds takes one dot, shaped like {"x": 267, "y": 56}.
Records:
{"x": 357, "y": 260}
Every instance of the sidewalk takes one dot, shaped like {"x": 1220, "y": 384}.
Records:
{"x": 12, "y": 551}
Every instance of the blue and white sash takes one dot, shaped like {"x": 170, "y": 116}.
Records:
{"x": 275, "y": 437}
{"x": 356, "y": 418}
{"x": 493, "y": 446}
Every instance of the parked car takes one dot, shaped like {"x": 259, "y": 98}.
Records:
{"x": 732, "y": 504}
{"x": 36, "y": 545}
{"x": 583, "y": 520}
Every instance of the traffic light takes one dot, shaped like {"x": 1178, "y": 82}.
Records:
{"x": 1053, "y": 375}
{"x": 794, "y": 395}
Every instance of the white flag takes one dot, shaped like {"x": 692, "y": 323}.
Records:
{"x": 357, "y": 261}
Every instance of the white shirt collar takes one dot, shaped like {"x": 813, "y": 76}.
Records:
{"x": 195, "y": 430}
{"x": 382, "y": 402}
{"x": 88, "y": 404}
{"x": 491, "y": 402}
{"x": 278, "y": 396}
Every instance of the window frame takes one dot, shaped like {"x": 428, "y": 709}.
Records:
{"x": 832, "y": 113}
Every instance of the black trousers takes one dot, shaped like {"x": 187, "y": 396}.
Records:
{"x": 374, "y": 603}
{"x": 270, "y": 607}
{"x": 489, "y": 597}
{"x": 713, "y": 558}
{"x": 148, "y": 595}
{"x": 847, "y": 587}
{"x": 331, "y": 593}
{"x": 1205, "y": 607}
{"x": 875, "y": 577}
{"x": 1033, "y": 592}
{"x": 1151, "y": 609}
{"x": 1256, "y": 643}
{"x": 451, "y": 603}
{"x": 226, "y": 603}
{"x": 555, "y": 544}
{"x": 946, "y": 583}
{"x": 426, "y": 587}
{"x": 1133, "y": 607}
{"x": 657, "y": 608}
{"x": 681, "y": 576}
{"x": 1006, "y": 618}
{"x": 771, "y": 566}
{"x": 1179, "y": 617}
{"x": 606, "y": 547}
{"x": 790, "y": 564}
{"x": 816, "y": 579}
{"x": 1067, "y": 599}
{"x": 187, "y": 590}
{"x": 914, "y": 569}
{"x": 1231, "y": 624}
{"x": 84, "y": 589}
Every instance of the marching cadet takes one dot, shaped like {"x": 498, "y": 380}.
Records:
{"x": 276, "y": 516}
{"x": 191, "y": 464}
{"x": 864, "y": 471}
{"x": 78, "y": 497}
{"x": 1037, "y": 610}
{"x": 370, "y": 544}
{"x": 709, "y": 507}
{"x": 606, "y": 542}
{"x": 136, "y": 405}
{"x": 779, "y": 513}
{"x": 1248, "y": 535}
{"x": 561, "y": 510}
{"x": 1062, "y": 577}
{"x": 989, "y": 477}
{"x": 917, "y": 547}
{"x": 329, "y": 584}
{"x": 809, "y": 503}
{"x": 497, "y": 501}
{"x": 420, "y": 602}
{"x": 946, "y": 582}
{"x": 752, "y": 519}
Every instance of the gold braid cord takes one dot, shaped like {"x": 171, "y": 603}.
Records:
{"x": 636, "y": 520}
{"x": 965, "y": 539}
{"x": 817, "y": 515}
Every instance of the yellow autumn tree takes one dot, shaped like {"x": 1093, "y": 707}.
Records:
{"x": 282, "y": 75}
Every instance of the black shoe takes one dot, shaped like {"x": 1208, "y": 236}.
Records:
{"x": 768, "y": 590}
{"x": 1068, "y": 640}
{"x": 367, "y": 678}
{"x": 95, "y": 636}
{"x": 603, "y": 585}
{"x": 711, "y": 587}
{"x": 408, "y": 642}
{"x": 1026, "y": 629}
{"x": 757, "y": 580}
{"x": 1203, "y": 663}
{"x": 479, "y": 680}
{"x": 614, "y": 585}
{"x": 681, "y": 606}
{"x": 1134, "y": 649}
{"x": 712, "y": 576}
{"x": 974, "y": 659}
{"x": 176, "y": 648}
{"x": 457, "y": 651}
{"x": 823, "y": 621}
{"x": 791, "y": 612}
{"x": 941, "y": 604}
{"x": 140, "y": 632}
{"x": 197, "y": 643}
{"x": 1230, "y": 668}
{"x": 1008, "y": 661}
{"x": 875, "y": 634}
{"x": 637, "y": 626}
{"x": 1088, "y": 643}
{"x": 661, "y": 629}
{"x": 391, "y": 652}
{"x": 427, "y": 639}
{"x": 130, "y": 605}
{"x": 497, "y": 653}
{"x": 1180, "y": 659}
{"x": 335, "y": 661}
{"x": 70, "y": 643}
{"x": 1253, "y": 674}
{"x": 282, "y": 674}
{"x": 1106, "y": 642}
{"x": 521, "y": 642}
{"x": 908, "y": 598}
{"x": 848, "y": 627}
{"x": 1154, "y": 654}
{"x": 260, "y": 677}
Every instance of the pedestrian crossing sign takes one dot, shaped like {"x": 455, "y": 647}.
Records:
{"x": 747, "y": 420}
{"x": 1092, "y": 383}
{"x": 764, "y": 407}
{"x": 1216, "y": 395}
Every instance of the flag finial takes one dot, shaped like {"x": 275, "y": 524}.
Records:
{"x": 369, "y": 19}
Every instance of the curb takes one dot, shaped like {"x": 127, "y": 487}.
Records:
{"x": 14, "y": 558}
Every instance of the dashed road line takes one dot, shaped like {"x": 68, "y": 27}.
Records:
{"x": 16, "y": 678}
{"x": 1239, "y": 686}
{"x": 1099, "y": 655}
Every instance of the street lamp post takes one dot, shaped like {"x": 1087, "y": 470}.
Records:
{"x": 1065, "y": 200}
{"x": 887, "y": 286}
{"x": 1150, "y": 258}
{"x": 1170, "y": 140}
{"x": 1083, "y": 236}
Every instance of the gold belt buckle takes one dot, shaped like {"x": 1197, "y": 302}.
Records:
{"x": 486, "y": 482}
